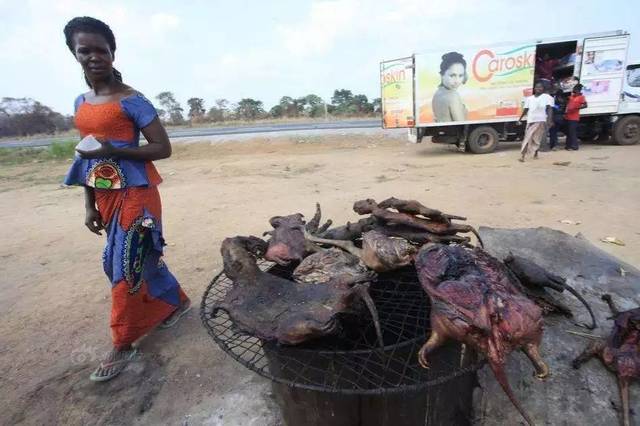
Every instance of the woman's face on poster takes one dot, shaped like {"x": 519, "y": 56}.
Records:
{"x": 453, "y": 77}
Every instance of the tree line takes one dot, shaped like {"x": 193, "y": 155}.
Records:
{"x": 343, "y": 104}
{"x": 25, "y": 116}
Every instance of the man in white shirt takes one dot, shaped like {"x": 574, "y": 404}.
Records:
{"x": 538, "y": 109}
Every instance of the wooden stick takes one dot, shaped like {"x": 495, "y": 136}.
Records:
{"x": 587, "y": 335}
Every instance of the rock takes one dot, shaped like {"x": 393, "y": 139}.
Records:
{"x": 586, "y": 396}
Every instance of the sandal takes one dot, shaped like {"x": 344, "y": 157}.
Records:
{"x": 117, "y": 364}
{"x": 176, "y": 315}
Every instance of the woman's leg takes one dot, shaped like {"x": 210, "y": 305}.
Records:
{"x": 113, "y": 364}
{"x": 526, "y": 141}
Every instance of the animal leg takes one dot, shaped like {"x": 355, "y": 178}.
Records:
{"x": 593, "y": 349}
{"x": 312, "y": 225}
{"x": 324, "y": 227}
{"x": 501, "y": 377}
{"x": 607, "y": 298}
{"x": 363, "y": 292}
{"x": 623, "y": 384}
{"x": 533, "y": 353}
{"x": 467, "y": 228}
{"x": 350, "y": 231}
{"x": 435, "y": 340}
{"x": 343, "y": 244}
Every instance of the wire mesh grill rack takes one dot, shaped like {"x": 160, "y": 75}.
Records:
{"x": 351, "y": 361}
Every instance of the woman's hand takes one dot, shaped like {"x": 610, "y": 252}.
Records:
{"x": 93, "y": 220}
{"x": 106, "y": 150}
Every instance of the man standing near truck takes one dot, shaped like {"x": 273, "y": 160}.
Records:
{"x": 572, "y": 116}
{"x": 538, "y": 109}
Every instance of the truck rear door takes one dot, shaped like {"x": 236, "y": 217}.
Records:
{"x": 602, "y": 71}
{"x": 396, "y": 83}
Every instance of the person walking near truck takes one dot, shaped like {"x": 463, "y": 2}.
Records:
{"x": 538, "y": 109}
{"x": 576, "y": 102}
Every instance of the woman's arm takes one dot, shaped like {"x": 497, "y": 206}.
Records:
{"x": 158, "y": 146}
{"x": 92, "y": 220}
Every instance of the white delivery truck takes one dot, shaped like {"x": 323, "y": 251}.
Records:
{"x": 473, "y": 96}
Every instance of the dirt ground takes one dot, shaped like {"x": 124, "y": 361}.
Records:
{"x": 54, "y": 297}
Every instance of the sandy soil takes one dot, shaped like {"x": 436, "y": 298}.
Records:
{"x": 55, "y": 302}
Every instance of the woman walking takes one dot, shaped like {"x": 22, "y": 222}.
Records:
{"x": 121, "y": 194}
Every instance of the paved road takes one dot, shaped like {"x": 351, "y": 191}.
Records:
{"x": 221, "y": 131}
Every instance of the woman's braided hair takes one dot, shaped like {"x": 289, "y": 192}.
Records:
{"x": 87, "y": 24}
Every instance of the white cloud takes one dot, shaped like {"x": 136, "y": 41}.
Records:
{"x": 164, "y": 22}
{"x": 326, "y": 23}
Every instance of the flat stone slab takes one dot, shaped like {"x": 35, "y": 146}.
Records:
{"x": 588, "y": 396}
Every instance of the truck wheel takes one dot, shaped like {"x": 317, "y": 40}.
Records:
{"x": 626, "y": 131}
{"x": 483, "y": 140}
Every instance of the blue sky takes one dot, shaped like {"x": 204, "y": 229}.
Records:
{"x": 267, "y": 49}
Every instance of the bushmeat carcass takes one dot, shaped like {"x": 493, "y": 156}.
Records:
{"x": 334, "y": 264}
{"x": 287, "y": 243}
{"x": 379, "y": 252}
{"x": 406, "y": 219}
{"x": 474, "y": 301}
{"x": 619, "y": 352}
{"x": 276, "y": 309}
{"x": 536, "y": 279}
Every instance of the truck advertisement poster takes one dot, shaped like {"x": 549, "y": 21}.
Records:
{"x": 396, "y": 82}
{"x": 478, "y": 84}
{"x": 602, "y": 72}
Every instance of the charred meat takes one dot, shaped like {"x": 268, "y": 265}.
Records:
{"x": 475, "y": 301}
{"x": 277, "y": 309}
{"x": 619, "y": 352}
{"x": 287, "y": 243}
{"x": 379, "y": 252}
{"x": 536, "y": 279}
{"x": 406, "y": 219}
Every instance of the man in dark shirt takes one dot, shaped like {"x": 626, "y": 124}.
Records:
{"x": 559, "y": 105}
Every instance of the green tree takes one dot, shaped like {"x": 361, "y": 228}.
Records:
{"x": 215, "y": 114}
{"x": 25, "y": 116}
{"x": 376, "y": 103}
{"x": 196, "y": 108}
{"x": 220, "y": 112}
{"x": 291, "y": 107}
{"x": 249, "y": 109}
{"x": 276, "y": 111}
{"x": 314, "y": 106}
{"x": 362, "y": 105}
{"x": 342, "y": 100}
{"x": 173, "y": 114}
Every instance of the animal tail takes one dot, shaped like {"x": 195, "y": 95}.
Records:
{"x": 584, "y": 302}
{"x": 477, "y": 234}
{"x": 501, "y": 377}
{"x": 363, "y": 292}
